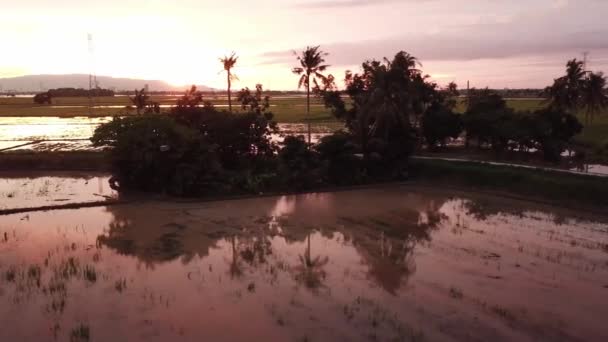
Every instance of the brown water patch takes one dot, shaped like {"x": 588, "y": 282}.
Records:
{"x": 385, "y": 264}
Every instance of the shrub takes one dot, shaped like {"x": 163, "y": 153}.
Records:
{"x": 300, "y": 166}
{"x": 440, "y": 123}
{"x": 42, "y": 98}
{"x": 154, "y": 153}
{"x": 342, "y": 166}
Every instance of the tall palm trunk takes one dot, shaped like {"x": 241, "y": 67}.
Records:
{"x": 229, "y": 95}
{"x": 308, "y": 106}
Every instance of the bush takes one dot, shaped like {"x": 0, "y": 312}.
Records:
{"x": 440, "y": 123}
{"x": 300, "y": 166}
{"x": 42, "y": 98}
{"x": 154, "y": 153}
{"x": 554, "y": 129}
{"x": 341, "y": 164}
{"x": 243, "y": 140}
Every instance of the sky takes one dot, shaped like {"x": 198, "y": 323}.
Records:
{"x": 494, "y": 43}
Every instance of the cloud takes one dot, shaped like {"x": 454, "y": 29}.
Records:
{"x": 449, "y": 47}
{"x": 543, "y": 32}
{"x": 343, "y": 3}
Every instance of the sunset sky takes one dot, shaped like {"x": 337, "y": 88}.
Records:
{"x": 496, "y": 43}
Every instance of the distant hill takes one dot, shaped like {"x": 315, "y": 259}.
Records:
{"x": 36, "y": 83}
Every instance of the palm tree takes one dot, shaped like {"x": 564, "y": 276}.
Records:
{"x": 311, "y": 66}
{"x": 229, "y": 63}
{"x": 593, "y": 96}
{"x": 565, "y": 92}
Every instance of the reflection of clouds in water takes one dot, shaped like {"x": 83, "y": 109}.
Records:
{"x": 285, "y": 205}
{"x": 335, "y": 252}
{"x": 305, "y": 205}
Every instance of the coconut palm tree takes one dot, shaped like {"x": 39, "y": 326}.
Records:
{"x": 311, "y": 66}
{"x": 229, "y": 62}
{"x": 565, "y": 93}
{"x": 593, "y": 96}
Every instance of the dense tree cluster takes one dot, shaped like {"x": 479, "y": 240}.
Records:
{"x": 389, "y": 109}
{"x": 79, "y": 92}
{"x": 46, "y": 97}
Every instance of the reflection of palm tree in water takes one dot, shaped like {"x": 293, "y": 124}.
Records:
{"x": 235, "y": 265}
{"x": 390, "y": 252}
{"x": 310, "y": 272}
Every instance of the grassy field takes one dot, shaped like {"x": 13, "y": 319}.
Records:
{"x": 287, "y": 109}
{"x": 549, "y": 185}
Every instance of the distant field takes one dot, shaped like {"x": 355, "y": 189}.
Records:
{"x": 287, "y": 109}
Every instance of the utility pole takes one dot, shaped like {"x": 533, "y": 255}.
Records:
{"x": 91, "y": 70}
{"x": 585, "y": 57}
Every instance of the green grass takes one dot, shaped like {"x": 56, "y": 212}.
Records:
{"x": 535, "y": 183}
{"x": 286, "y": 110}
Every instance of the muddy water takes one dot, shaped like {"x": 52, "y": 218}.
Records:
{"x": 52, "y": 189}
{"x": 388, "y": 264}
{"x": 69, "y": 134}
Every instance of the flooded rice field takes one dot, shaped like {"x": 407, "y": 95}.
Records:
{"x": 69, "y": 134}
{"x": 52, "y": 189}
{"x": 388, "y": 264}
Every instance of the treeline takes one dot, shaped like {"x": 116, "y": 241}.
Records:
{"x": 514, "y": 93}
{"x": 80, "y": 92}
{"x": 47, "y": 97}
{"x": 389, "y": 109}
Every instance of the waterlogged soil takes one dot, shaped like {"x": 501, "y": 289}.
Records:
{"x": 74, "y": 133}
{"x": 53, "y": 189}
{"x": 386, "y": 264}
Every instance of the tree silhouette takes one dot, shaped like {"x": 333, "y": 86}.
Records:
{"x": 593, "y": 95}
{"x": 43, "y": 98}
{"x": 140, "y": 100}
{"x": 229, "y": 63}
{"x": 566, "y": 90}
{"x": 311, "y": 66}
{"x": 577, "y": 90}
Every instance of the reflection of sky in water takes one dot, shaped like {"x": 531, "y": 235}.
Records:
{"x": 24, "y": 129}
{"x": 390, "y": 263}
{"x": 26, "y": 191}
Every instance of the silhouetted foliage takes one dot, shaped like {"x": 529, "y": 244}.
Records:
{"x": 565, "y": 93}
{"x": 490, "y": 122}
{"x": 300, "y": 165}
{"x": 237, "y": 148}
{"x": 79, "y": 92}
{"x": 342, "y": 165}
{"x": 487, "y": 119}
{"x": 578, "y": 90}
{"x": 553, "y": 131}
{"x": 254, "y": 102}
{"x": 228, "y": 62}
{"x": 312, "y": 66}
{"x": 155, "y": 153}
{"x": 43, "y": 98}
{"x": 594, "y": 98}
{"x": 387, "y": 100}
{"x": 440, "y": 123}
{"x": 141, "y": 102}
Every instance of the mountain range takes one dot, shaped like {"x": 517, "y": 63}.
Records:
{"x": 36, "y": 83}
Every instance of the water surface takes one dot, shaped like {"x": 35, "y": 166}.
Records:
{"x": 36, "y": 189}
{"x": 386, "y": 264}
